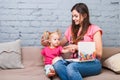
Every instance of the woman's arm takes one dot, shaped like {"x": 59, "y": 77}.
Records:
{"x": 63, "y": 41}
{"x": 98, "y": 41}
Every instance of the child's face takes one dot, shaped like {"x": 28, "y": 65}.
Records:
{"x": 54, "y": 39}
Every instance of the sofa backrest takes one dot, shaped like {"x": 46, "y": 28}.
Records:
{"x": 109, "y": 51}
{"x": 31, "y": 55}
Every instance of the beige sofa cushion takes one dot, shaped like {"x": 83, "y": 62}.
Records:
{"x": 113, "y": 63}
{"x": 10, "y": 55}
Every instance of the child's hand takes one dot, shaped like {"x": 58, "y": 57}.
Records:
{"x": 71, "y": 46}
{"x": 56, "y": 59}
{"x": 72, "y": 50}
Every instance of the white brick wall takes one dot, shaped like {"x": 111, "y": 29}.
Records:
{"x": 28, "y": 19}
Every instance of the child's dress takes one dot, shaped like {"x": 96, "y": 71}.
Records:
{"x": 49, "y": 54}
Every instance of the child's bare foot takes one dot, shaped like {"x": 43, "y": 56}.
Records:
{"x": 52, "y": 70}
{"x": 51, "y": 73}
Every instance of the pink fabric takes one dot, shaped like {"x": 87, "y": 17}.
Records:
{"x": 49, "y": 53}
{"x": 88, "y": 36}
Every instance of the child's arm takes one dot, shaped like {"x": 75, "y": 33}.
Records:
{"x": 68, "y": 50}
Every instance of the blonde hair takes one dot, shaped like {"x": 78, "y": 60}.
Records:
{"x": 47, "y": 34}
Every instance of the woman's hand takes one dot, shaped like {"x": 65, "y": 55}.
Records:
{"x": 71, "y": 47}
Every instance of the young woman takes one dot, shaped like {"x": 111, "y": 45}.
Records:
{"x": 80, "y": 30}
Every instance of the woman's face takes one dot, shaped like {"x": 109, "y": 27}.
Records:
{"x": 77, "y": 17}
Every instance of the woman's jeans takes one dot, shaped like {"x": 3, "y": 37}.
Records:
{"x": 67, "y": 70}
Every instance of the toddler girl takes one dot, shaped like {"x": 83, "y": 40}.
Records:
{"x": 52, "y": 50}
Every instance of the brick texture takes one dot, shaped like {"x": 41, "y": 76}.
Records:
{"x": 28, "y": 19}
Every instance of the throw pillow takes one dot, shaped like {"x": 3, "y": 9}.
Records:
{"x": 113, "y": 63}
{"x": 10, "y": 55}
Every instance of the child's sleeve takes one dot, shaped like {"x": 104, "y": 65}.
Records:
{"x": 43, "y": 52}
{"x": 60, "y": 48}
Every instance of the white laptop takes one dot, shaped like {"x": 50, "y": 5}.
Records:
{"x": 86, "y": 52}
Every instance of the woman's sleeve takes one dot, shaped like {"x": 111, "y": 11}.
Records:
{"x": 95, "y": 29}
{"x": 68, "y": 33}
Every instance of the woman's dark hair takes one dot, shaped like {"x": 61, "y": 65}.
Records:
{"x": 83, "y": 10}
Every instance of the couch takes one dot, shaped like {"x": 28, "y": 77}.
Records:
{"x": 33, "y": 66}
